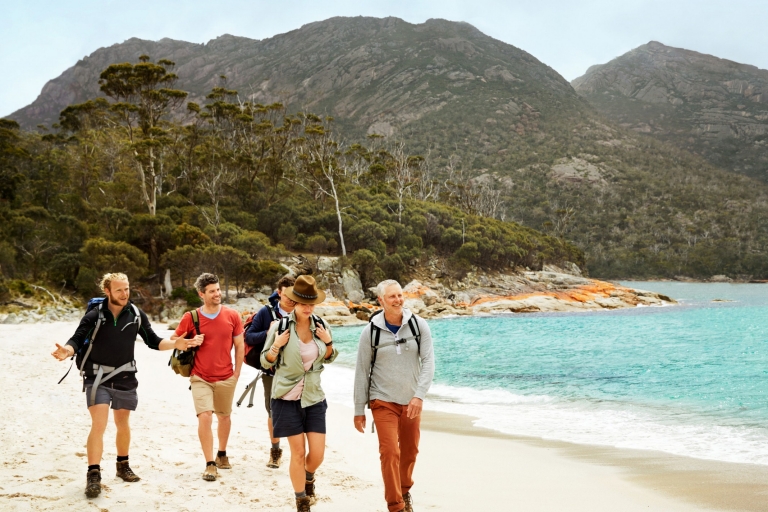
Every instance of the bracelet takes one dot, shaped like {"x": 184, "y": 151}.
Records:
{"x": 273, "y": 347}
{"x": 329, "y": 343}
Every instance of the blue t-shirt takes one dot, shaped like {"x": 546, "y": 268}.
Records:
{"x": 393, "y": 328}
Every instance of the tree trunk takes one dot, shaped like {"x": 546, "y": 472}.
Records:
{"x": 338, "y": 215}
{"x": 167, "y": 284}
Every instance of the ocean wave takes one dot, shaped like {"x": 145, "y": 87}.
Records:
{"x": 604, "y": 423}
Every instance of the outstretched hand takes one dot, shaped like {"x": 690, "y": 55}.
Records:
{"x": 62, "y": 353}
{"x": 182, "y": 343}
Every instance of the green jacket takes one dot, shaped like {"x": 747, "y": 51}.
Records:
{"x": 291, "y": 369}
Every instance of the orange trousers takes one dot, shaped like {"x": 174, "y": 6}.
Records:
{"x": 398, "y": 447}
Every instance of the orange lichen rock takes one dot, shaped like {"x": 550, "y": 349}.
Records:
{"x": 585, "y": 293}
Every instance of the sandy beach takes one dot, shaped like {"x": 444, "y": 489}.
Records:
{"x": 460, "y": 467}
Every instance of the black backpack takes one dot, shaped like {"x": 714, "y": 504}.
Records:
{"x": 282, "y": 327}
{"x": 81, "y": 356}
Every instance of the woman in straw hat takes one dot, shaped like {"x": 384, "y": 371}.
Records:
{"x": 298, "y": 402}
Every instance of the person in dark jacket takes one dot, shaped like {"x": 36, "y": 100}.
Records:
{"x": 255, "y": 336}
{"x": 109, "y": 371}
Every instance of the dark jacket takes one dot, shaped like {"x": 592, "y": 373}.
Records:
{"x": 256, "y": 334}
{"x": 115, "y": 341}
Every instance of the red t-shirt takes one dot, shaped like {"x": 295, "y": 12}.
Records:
{"x": 213, "y": 361}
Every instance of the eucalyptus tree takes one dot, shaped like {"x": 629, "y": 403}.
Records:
{"x": 144, "y": 95}
{"x": 319, "y": 167}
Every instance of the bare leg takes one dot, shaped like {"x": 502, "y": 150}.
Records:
{"x": 123, "y": 437}
{"x": 204, "y": 432}
{"x": 224, "y": 427}
{"x": 95, "y": 445}
{"x": 296, "y": 470}
{"x": 316, "y": 453}
{"x": 271, "y": 433}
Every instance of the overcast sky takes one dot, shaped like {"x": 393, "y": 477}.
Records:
{"x": 41, "y": 38}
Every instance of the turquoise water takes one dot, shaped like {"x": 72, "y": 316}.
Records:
{"x": 690, "y": 379}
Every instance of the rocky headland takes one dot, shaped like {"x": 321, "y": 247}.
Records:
{"x": 552, "y": 289}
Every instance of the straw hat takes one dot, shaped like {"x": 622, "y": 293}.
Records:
{"x": 305, "y": 291}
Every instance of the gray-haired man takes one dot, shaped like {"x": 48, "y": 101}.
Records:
{"x": 395, "y": 366}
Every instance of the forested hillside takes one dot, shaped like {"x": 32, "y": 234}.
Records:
{"x": 497, "y": 131}
{"x": 117, "y": 186}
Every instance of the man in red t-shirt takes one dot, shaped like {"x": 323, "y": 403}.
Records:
{"x": 213, "y": 379}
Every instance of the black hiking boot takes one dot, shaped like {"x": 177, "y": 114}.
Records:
{"x": 93, "y": 483}
{"x": 125, "y": 472}
{"x": 302, "y": 504}
{"x": 408, "y": 502}
{"x": 309, "y": 488}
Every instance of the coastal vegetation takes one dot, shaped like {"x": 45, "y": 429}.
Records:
{"x": 118, "y": 184}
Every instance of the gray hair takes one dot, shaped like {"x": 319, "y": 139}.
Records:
{"x": 381, "y": 288}
{"x": 204, "y": 280}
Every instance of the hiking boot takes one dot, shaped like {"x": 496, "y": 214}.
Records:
{"x": 210, "y": 473}
{"x": 223, "y": 462}
{"x": 408, "y": 502}
{"x": 275, "y": 456}
{"x": 93, "y": 483}
{"x": 125, "y": 472}
{"x": 309, "y": 488}
{"x": 302, "y": 504}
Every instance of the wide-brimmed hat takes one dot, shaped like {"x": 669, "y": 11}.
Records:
{"x": 305, "y": 291}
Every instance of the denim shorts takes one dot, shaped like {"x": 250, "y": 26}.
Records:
{"x": 290, "y": 419}
{"x": 118, "y": 398}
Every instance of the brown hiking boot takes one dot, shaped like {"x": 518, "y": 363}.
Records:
{"x": 275, "y": 456}
{"x": 93, "y": 483}
{"x": 309, "y": 488}
{"x": 210, "y": 473}
{"x": 302, "y": 504}
{"x": 223, "y": 462}
{"x": 125, "y": 472}
{"x": 408, "y": 502}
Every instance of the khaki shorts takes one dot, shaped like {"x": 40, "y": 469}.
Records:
{"x": 213, "y": 396}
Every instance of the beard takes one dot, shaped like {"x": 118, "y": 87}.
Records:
{"x": 115, "y": 302}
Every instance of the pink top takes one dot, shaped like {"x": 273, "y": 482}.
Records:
{"x": 309, "y": 353}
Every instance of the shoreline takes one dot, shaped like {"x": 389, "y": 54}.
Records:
{"x": 709, "y": 483}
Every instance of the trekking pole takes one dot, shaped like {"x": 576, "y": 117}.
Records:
{"x": 252, "y": 388}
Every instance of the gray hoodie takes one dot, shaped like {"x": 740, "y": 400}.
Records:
{"x": 396, "y": 377}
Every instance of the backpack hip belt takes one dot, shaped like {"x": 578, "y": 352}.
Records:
{"x": 110, "y": 372}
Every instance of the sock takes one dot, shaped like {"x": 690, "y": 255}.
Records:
{"x": 94, "y": 466}
{"x": 221, "y": 453}
{"x": 122, "y": 458}
{"x": 302, "y": 494}
{"x": 310, "y": 476}
{"x": 210, "y": 463}
{"x": 276, "y": 446}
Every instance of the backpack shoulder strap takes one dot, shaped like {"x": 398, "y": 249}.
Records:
{"x": 195, "y": 320}
{"x": 92, "y": 337}
{"x": 272, "y": 312}
{"x": 137, "y": 313}
{"x": 282, "y": 326}
{"x": 413, "y": 323}
{"x": 375, "y": 336}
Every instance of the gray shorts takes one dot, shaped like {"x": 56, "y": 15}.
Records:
{"x": 266, "y": 381}
{"x": 118, "y": 398}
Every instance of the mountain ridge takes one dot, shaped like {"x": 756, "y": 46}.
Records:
{"x": 714, "y": 107}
